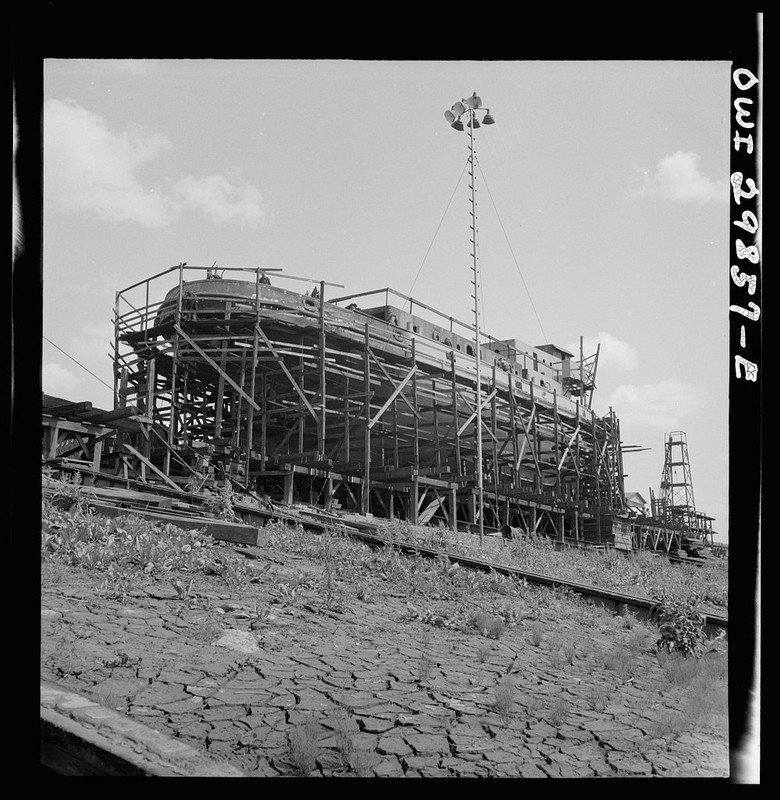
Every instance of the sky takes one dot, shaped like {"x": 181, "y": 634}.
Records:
{"x": 602, "y": 208}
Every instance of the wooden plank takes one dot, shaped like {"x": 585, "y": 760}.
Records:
{"x": 101, "y": 417}
{"x": 151, "y": 466}
{"x": 287, "y": 372}
{"x": 68, "y": 408}
{"x": 425, "y": 516}
{"x": 392, "y": 397}
{"x": 218, "y": 529}
{"x": 217, "y": 368}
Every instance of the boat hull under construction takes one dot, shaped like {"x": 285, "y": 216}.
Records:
{"x": 365, "y": 405}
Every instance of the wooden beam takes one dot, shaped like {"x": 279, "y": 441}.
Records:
{"x": 396, "y": 392}
{"x": 287, "y": 372}
{"x": 387, "y": 375}
{"x": 151, "y": 466}
{"x": 568, "y": 447}
{"x": 484, "y": 402}
{"x": 216, "y": 366}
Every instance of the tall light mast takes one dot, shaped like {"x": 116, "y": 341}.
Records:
{"x": 470, "y": 109}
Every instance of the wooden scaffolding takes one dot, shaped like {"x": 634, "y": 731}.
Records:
{"x": 371, "y": 410}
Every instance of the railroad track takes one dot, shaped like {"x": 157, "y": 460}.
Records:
{"x": 619, "y": 602}
{"x": 320, "y": 521}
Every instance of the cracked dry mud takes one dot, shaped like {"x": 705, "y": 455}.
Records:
{"x": 387, "y": 682}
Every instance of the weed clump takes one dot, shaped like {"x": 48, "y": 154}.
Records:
{"x": 504, "y": 699}
{"x": 621, "y": 661}
{"x": 483, "y": 651}
{"x": 537, "y": 634}
{"x": 596, "y": 698}
{"x": 559, "y": 712}
{"x": 681, "y": 623}
{"x": 303, "y": 747}
{"x": 486, "y": 624}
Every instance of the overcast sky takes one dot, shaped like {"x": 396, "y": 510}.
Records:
{"x": 602, "y": 198}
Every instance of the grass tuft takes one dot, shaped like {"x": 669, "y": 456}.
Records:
{"x": 504, "y": 698}
{"x": 303, "y": 747}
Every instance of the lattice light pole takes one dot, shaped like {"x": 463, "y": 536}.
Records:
{"x": 677, "y": 502}
{"x": 471, "y": 108}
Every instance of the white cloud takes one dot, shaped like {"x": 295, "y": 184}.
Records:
{"x": 659, "y": 405}
{"x": 220, "y": 201}
{"x": 677, "y": 177}
{"x": 92, "y": 169}
{"x": 613, "y": 352}
{"x": 58, "y": 380}
{"x": 89, "y": 168}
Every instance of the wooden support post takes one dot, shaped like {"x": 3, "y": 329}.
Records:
{"x": 250, "y": 433}
{"x": 413, "y": 500}
{"x": 453, "y": 508}
{"x": 220, "y": 400}
{"x": 97, "y": 454}
{"x": 494, "y": 431}
{"x": 289, "y": 480}
{"x": 241, "y": 393}
{"x": 346, "y": 419}
{"x": 436, "y": 439}
{"x": 216, "y": 366}
{"x": 329, "y": 493}
{"x": 146, "y": 463}
{"x": 119, "y": 441}
{"x": 149, "y": 403}
{"x": 301, "y": 414}
{"x": 52, "y": 440}
{"x": 364, "y": 498}
{"x": 322, "y": 431}
{"x": 536, "y": 445}
{"x": 414, "y": 403}
{"x": 455, "y": 416}
{"x": 557, "y": 452}
{"x": 515, "y": 476}
{"x": 395, "y": 434}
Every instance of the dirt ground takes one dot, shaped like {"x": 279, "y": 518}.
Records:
{"x": 303, "y": 671}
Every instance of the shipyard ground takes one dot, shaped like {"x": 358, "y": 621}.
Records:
{"x": 391, "y": 684}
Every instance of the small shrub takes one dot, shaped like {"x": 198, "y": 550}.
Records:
{"x": 679, "y": 670}
{"x": 362, "y": 762}
{"x": 669, "y": 725}
{"x": 681, "y": 623}
{"x": 343, "y": 739}
{"x": 638, "y": 641}
{"x": 486, "y": 624}
{"x": 510, "y": 615}
{"x": 483, "y": 651}
{"x": 537, "y": 634}
{"x": 303, "y": 746}
{"x": 504, "y": 701}
{"x": 364, "y": 592}
{"x": 424, "y": 666}
{"x": 207, "y": 631}
{"x": 706, "y": 700}
{"x": 556, "y": 653}
{"x": 220, "y": 503}
{"x": 559, "y": 712}
{"x": 620, "y": 660}
{"x": 533, "y": 705}
{"x": 596, "y": 698}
